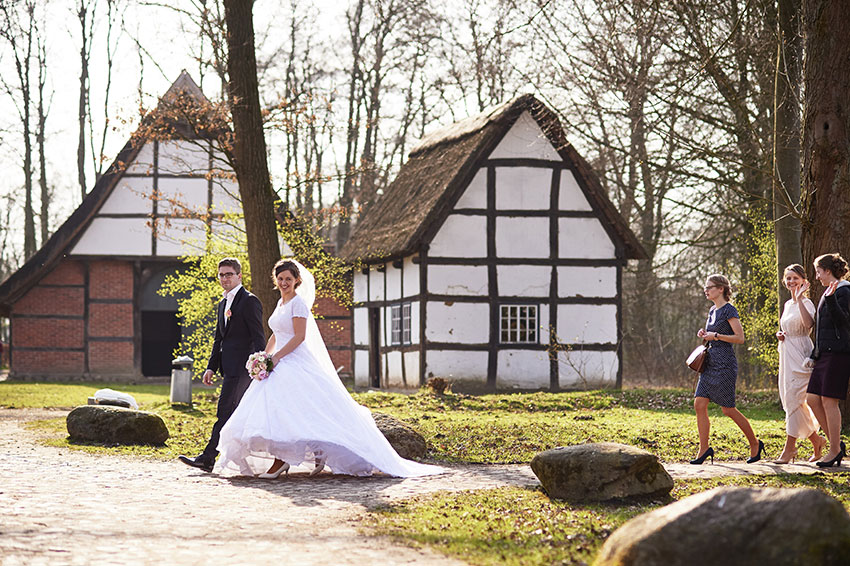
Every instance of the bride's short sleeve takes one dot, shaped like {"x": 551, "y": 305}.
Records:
{"x": 299, "y": 308}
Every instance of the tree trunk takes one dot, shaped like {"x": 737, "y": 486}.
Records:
{"x": 826, "y": 133}
{"x": 249, "y": 151}
{"x": 82, "y": 105}
{"x": 40, "y": 139}
{"x": 786, "y": 150}
{"x": 346, "y": 199}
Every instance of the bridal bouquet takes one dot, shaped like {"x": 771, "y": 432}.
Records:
{"x": 259, "y": 365}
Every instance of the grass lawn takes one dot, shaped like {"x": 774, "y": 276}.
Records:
{"x": 503, "y": 428}
{"x": 499, "y": 526}
{"x": 518, "y": 526}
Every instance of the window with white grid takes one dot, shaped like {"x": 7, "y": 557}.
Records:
{"x": 405, "y": 323}
{"x": 518, "y": 324}
{"x": 400, "y": 324}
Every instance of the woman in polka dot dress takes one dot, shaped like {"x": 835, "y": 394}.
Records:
{"x": 717, "y": 381}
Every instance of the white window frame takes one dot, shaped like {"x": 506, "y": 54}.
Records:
{"x": 400, "y": 324}
{"x": 519, "y": 324}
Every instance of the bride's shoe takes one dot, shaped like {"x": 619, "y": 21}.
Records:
{"x": 790, "y": 459}
{"x": 818, "y": 450}
{"x": 284, "y": 468}
{"x": 320, "y": 465}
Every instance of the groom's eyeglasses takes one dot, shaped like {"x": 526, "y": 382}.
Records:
{"x": 227, "y": 275}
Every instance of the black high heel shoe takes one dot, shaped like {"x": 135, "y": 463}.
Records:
{"x": 709, "y": 452}
{"x": 835, "y": 461}
{"x": 757, "y": 457}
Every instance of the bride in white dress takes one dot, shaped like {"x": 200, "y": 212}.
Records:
{"x": 301, "y": 412}
{"x": 794, "y": 348}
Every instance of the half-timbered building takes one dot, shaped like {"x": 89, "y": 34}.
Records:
{"x": 494, "y": 259}
{"x": 86, "y": 306}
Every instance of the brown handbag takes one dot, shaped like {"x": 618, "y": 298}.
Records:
{"x": 698, "y": 358}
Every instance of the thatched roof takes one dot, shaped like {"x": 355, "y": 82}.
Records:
{"x": 441, "y": 166}
{"x": 63, "y": 240}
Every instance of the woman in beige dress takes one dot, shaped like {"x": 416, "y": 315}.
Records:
{"x": 794, "y": 348}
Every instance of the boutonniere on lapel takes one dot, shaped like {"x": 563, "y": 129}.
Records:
{"x": 228, "y": 314}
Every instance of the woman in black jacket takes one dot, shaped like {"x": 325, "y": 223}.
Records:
{"x": 831, "y": 373}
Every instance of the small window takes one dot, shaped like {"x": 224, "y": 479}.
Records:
{"x": 518, "y": 324}
{"x": 400, "y": 324}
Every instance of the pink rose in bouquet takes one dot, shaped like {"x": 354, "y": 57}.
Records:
{"x": 259, "y": 365}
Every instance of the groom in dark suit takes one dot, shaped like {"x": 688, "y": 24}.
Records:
{"x": 238, "y": 334}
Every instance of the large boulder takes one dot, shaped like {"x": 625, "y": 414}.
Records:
{"x": 600, "y": 471}
{"x": 406, "y": 441}
{"x": 736, "y": 526}
{"x": 115, "y": 425}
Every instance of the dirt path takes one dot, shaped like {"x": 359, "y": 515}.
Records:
{"x": 63, "y": 506}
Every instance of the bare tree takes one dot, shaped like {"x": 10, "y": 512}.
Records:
{"x": 85, "y": 16}
{"x": 786, "y": 153}
{"x": 826, "y": 134}
{"x": 114, "y": 9}
{"x": 249, "y": 147}
{"x": 826, "y": 131}
{"x": 18, "y": 31}
{"x": 41, "y": 125}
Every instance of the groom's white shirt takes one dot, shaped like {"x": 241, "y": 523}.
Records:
{"x": 230, "y": 296}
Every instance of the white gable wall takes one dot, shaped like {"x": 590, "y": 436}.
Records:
{"x": 461, "y": 323}
{"x": 570, "y": 195}
{"x": 475, "y": 195}
{"x": 468, "y": 280}
{"x": 393, "y": 279}
{"x": 522, "y": 236}
{"x": 131, "y": 195}
{"x": 410, "y": 277}
{"x": 578, "y": 281}
{"x": 524, "y": 280}
{"x": 115, "y": 236}
{"x": 460, "y": 236}
{"x": 456, "y": 365}
{"x": 579, "y": 369}
{"x": 525, "y": 139}
{"x": 584, "y": 238}
{"x": 183, "y": 178}
{"x": 525, "y": 188}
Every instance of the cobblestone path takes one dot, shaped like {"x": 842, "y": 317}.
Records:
{"x": 60, "y": 506}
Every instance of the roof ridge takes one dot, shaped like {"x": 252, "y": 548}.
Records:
{"x": 469, "y": 125}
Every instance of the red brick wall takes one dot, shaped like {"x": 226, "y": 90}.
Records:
{"x": 335, "y": 326}
{"x": 48, "y": 317}
{"x": 111, "y": 281}
{"x": 67, "y": 273}
{"x": 111, "y": 320}
{"x": 48, "y": 333}
{"x": 111, "y": 357}
{"x": 50, "y": 327}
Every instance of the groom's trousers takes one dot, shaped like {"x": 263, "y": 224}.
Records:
{"x": 232, "y": 390}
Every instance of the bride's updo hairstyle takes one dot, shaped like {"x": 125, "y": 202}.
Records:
{"x": 722, "y": 282}
{"x": 833, "y": 263}
{"x": 286, "y": 265}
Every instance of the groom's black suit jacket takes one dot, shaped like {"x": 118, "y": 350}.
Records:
{"x": 240, "y": 337}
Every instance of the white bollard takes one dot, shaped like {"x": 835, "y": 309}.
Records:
{"x": 181, "y": 380}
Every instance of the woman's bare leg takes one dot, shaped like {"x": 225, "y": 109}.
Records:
{"x": 745, "y": 427}
{"x": 703, "y": 424}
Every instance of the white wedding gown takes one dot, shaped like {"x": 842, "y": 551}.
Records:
{"x": 794, "y": 376}
{"x": 302, "y": 411}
